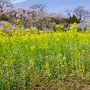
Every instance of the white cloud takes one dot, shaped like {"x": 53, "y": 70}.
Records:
{"x": 17, "y": 1}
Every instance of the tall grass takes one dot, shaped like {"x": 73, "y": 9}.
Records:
{"x": 50, "y": 60}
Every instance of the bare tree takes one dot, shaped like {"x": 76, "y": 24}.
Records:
{"x": 41, "y": 7}
{"x": 69, "y": 13}
{"x": 5, "y": 3}
{"x": 81, "y": 13}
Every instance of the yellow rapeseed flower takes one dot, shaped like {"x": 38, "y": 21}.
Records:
{"x": 31, "y": 62}
{"x": 44, "y": 46}
{"x": 6, "y": 24}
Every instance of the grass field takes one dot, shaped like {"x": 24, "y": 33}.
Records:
{"x": 51, "y": 61}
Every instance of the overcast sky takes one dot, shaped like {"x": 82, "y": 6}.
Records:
{"x": 53, "y": 5}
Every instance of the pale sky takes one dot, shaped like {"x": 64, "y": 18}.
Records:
{"x": 53, "y": 5}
